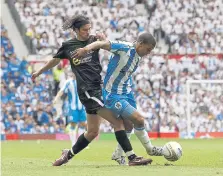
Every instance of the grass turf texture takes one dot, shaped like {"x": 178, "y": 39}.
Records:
{"x": 33, "y": 158}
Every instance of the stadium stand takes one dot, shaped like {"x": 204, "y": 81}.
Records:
{"x": 44, "y": 20}
{"x": 159, "y": 82}
{"x": 201, "y": 19}
{"x": 26, "y": 106}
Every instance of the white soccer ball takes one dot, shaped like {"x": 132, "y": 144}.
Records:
{"x": 172, "y": 151}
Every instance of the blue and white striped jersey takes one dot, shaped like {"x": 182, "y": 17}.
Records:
{"x": 70, "y": 88}
{"x": 123, "y": 62}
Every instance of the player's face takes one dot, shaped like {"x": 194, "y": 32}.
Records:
{"x": 143, "y": 49}
{"x": 84, "y": 31}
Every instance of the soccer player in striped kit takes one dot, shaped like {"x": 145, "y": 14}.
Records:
{"x": 118, "y": 94}
{"x": 76, "y": 115}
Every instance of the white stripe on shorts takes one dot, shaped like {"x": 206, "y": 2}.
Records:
{"x": 94, "y": 98}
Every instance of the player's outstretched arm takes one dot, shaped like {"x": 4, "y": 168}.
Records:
{"x": 105, "y": 44}
{"x": 50, "y": 64}
{"x": 59, "y": 94}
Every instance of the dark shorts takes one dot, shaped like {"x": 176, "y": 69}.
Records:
{"x": 92, "y": 100}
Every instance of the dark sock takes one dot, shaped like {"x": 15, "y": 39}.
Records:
{"x": 131, "y": 157}
{"x": 70, "y": 155}
{"x": 81, "y": 143}
{"x": 123, "y": 140}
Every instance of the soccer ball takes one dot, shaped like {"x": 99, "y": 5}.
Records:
{"x": 172, "y": 151}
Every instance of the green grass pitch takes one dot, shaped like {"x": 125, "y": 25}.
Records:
{"x": 33, "y": 158}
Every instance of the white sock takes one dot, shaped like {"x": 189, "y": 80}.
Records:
{"x": 143, "y": 136}
{"x": 119, "y": 149}
{"x": 80, "y": 131}
{"x": 129, "y": 134}
{"x": 129, "y": 153}
{"x": 73, "y": 136}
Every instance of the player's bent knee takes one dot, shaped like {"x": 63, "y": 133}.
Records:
{"x": 128, "y": 125}
{"x": 139, "y": 120}
{"x": 92, "y": 134}
{"x": 82, "y": 124}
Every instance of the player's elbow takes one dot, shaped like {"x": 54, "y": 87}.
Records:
{"x": 56, "y": 61}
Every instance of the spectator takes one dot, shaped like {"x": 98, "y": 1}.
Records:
{"x": 160, "y": 81}
{"x": 57, "y": 73}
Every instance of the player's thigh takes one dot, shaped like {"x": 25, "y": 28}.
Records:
{"x": 128, "y": 111}
{"x": 108, "y": 115}
{"x": 118, "y": 103}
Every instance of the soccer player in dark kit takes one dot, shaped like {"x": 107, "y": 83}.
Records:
{"x": 87, "y": 71}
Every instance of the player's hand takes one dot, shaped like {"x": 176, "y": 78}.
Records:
{"x": 100, "y": 36}
{"x": 80, "y": 52}
{"x": 35, "y": 75}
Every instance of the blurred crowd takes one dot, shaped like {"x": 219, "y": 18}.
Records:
{"x": 26, "y": 107}
{"x": 193, "y": 26}
{"x": 159, "y": 82}
{"x": 118, "y": 19}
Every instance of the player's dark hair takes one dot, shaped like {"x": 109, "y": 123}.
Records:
{"x": 146, "y": 38}
{"x": 75, "y": 22}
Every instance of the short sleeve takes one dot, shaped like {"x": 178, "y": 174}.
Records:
{"x": 119, "y": 46}
{"x": 61, "y": 53}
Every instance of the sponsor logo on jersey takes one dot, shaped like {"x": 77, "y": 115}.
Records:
{"x": 76, "y": 61}
{"x": 118, "y": 105}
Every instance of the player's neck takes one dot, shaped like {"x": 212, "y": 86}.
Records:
{"x": 134, "y": 45}
{"x": 80, "y": 38}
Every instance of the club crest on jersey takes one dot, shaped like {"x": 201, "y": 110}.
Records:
{"x": 118, "y": 105}
{"x": 76, "y": 61}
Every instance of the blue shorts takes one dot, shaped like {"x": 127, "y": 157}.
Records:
{"x": 121, "y": 105}
{"x": 76, "y": 116}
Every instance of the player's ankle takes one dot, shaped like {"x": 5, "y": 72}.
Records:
{"x": 131, "y": 157}
{"x": 70, "y": 155}
{"x": 149, "y": 148}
